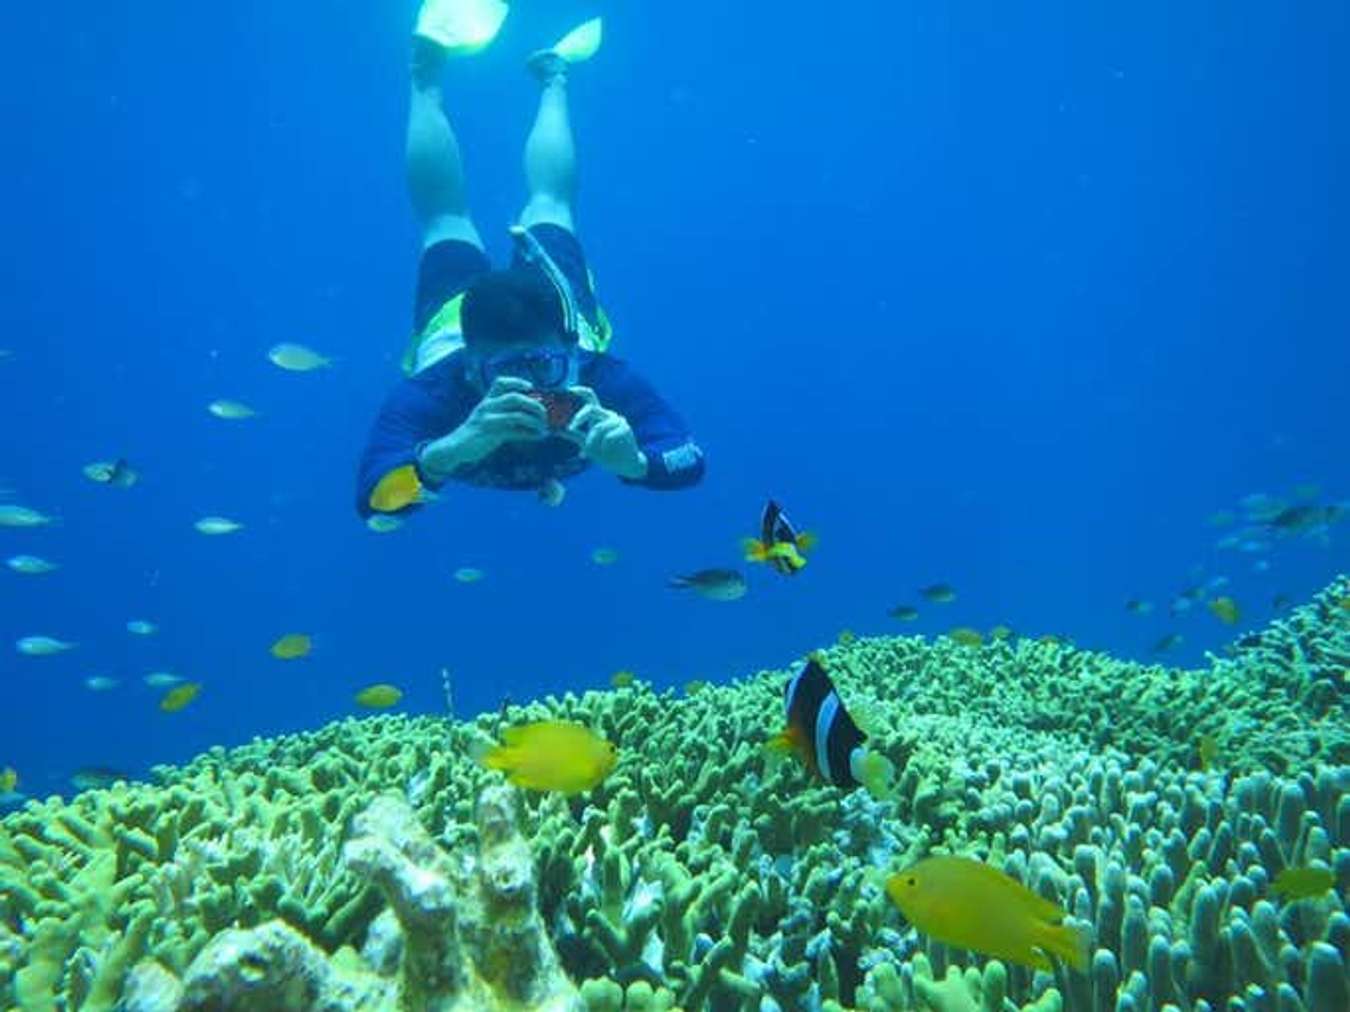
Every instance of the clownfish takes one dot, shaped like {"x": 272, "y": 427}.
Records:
{"x": 778, "y": 543}
{"x": 825, "y": 737}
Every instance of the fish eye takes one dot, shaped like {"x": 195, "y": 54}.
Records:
{"x": 911, "y": 881}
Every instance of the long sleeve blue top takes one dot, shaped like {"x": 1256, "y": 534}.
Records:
{"x": 438, "y": 399}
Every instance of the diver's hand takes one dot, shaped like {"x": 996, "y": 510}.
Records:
{"x": 605, "y": 437}
{"x": 504, "y": 415}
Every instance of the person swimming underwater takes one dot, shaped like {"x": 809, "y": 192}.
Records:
{"x": 509, "y": 382}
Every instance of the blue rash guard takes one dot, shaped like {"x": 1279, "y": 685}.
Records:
{"x": 438, "y": 399}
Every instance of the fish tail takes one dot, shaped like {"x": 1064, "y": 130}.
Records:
{"x": 875, "y": 772}
{"x": 1070, "y": 942}
{"x": 755, "y": 550}
{"x": 779, "y": 744}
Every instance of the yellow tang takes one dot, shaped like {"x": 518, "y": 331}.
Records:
{"x": 1303, "y": 883}
{"x": 291, "y": 646}
{"x": 379, "y": 697}
{"x": 179, "y": 696}
{"x": 970, "y": 905}
{"x": 400, "y": 487}
{"x": 552, "y": 755}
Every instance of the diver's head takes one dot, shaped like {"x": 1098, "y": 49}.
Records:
{"x": 512, "y": 321}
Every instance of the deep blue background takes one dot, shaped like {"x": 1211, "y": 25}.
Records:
{"x": 1010, "y": 298}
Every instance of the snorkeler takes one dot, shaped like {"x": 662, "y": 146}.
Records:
{"x": 508, "y": 382}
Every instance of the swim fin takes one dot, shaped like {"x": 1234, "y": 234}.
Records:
{"x": 461, "y": 27}
{"x": 581, "y": 43}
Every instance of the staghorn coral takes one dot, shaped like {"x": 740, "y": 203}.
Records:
{"x": 697, "y": 876}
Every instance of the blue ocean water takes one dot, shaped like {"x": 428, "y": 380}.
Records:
{"x": 1008, "y": 298}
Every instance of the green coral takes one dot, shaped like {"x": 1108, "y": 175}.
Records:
{"x": 700, "y": 875}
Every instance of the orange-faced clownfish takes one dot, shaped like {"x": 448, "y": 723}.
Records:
{"x": 778, "y": 543}
{"x": 825, "y": 737}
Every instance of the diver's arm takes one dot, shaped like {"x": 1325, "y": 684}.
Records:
{"x": 409, "y": 416}
{"x": 670, "y": 458}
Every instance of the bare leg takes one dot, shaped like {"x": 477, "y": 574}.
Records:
{"x": 550, "y": 155}
{"x": 434, "y": 165}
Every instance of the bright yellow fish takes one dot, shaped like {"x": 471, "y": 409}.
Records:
{"x": 400, "y": 487}
{"x": 552, "y": 755}
{"x": 291, "y": 646}
{"x": 179, "y": 696}
{"x": 379, "y": 697}
{"x": 970, "y": 905}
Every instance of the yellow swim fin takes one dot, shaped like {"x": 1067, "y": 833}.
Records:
{"x": 582, "y": 42}
{"x": 461, "y": 27}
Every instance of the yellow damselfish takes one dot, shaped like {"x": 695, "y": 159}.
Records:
{"x": 8, "y": 780}
{"x": 1225, "y": 609}
{"x": 552, "y": 755}
{"x": 379, "y": 697}
{"x": 400, "y": 487}
{"x": 968, "y": 904}
{"x": 179, "y": 696}
{"x": 291, "y": 646}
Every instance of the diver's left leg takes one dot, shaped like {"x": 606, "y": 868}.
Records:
{"x": 550, "y": 154}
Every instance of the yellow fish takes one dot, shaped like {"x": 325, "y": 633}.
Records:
{"x": 552, "y": 755}
{"x": 179, "y": 696}
{"x": 379, "y": 697}
{"x": 1208, "y": 750}
{"x": 291, "y": 646}
{"x": 1225, "y": 609}
{"x": 1302, "y": 883}
{"x": 400, "y": 487}
{"x": 970, "y": 905}
{"x": 622, "y": 679}
{"x": 8, "y": 780}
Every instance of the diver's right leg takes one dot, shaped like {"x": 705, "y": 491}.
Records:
{"x": 435, "y": 167}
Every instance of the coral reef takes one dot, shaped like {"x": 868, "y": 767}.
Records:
{"x": 371, "y": 865}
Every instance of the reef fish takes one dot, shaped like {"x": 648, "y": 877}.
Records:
{"x": 622, "y": 679}
{"x": 30, "y": 565}
{"x": 8, "y": 780}
{"x": 297, "y": 357}
{"x": 379, "y": 697}
{"x": 21, "y": 516}
{"x": 179, "y": 696}
{"x": 231, "y": 410}
{"x": 966, "y": 636}
{"x": 399, "y": 488}
{"x": 1168, "y": 642}
{"x": 117, "y": 473}
{"x": 970, "y": 905}
{"x": 824, "y": 736}
{"x": 42, "y": 646}
{"x": 714, "y": 584}
{"x": 778, "y": 543}
{"x": 100, "y": 683}
{"x": 468, "y": 574}
{"x": 938, "y": 593}
{"x": 142, "y": 627}
{"x": 89, "y": 778}
{"x": 552, "y": 755}
{"x": 291, "y": 646}
{"x": 1225, "y": 609}
{"x": 904, "y": 612}
{"x": 1303, "y": 883}
{"x": 217, "y": 525}
{"x": 604, "y": 556}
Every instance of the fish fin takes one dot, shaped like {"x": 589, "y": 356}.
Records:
{"x": 807, "y": 540}
{"x": 875, "y": 772}
{"x": 1069, "y": 942}
{"x": 754, "y": 549}
{"x": 780, "y": 744}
